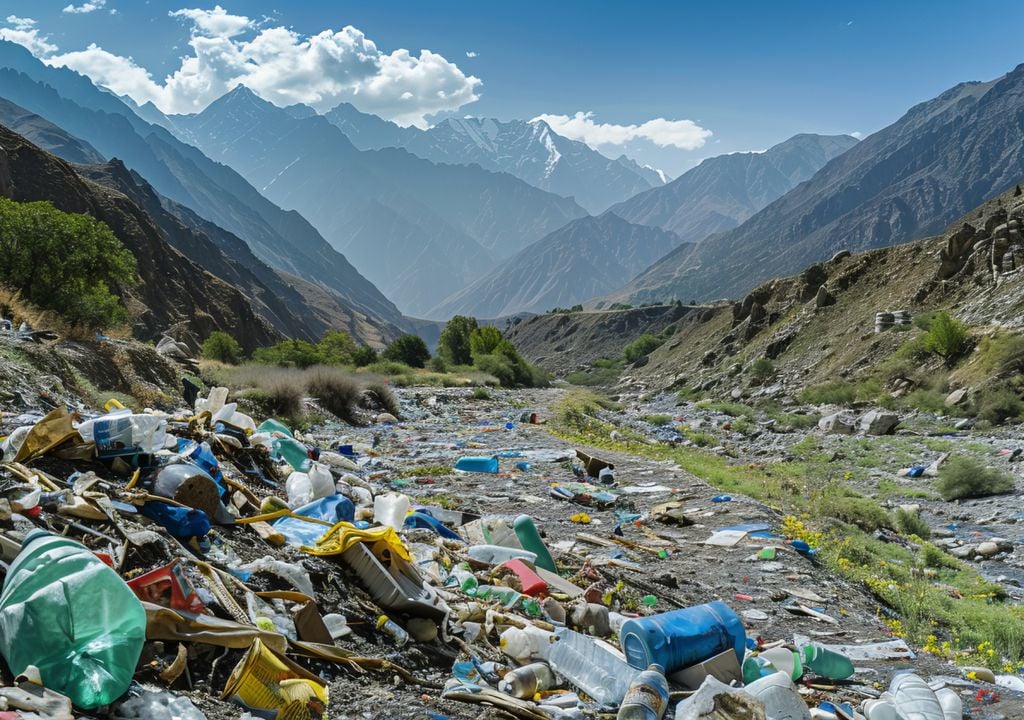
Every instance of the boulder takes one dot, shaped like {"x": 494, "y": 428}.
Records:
{"x": 386, "y": 418}
{"x": 963, "y": 552}
{"x": 824, "y": 298}
{"x": 878, "y": 422}
{"x": 987, "y": 549}
{"x": 839, "y": 423}
{"x": 956, "y": 397}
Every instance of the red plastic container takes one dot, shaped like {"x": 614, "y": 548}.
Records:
{"x": 532, "y": 583}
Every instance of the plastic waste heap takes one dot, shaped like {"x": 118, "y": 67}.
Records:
{"x": 73, "y": 617}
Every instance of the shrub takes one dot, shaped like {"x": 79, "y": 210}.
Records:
{"x": 364, "y": 355}
{"x": 643, "y": 345}
{"x": 64, "y": 262}
{"x": 933, "y": 557}
{"x": 453, "y": 345}
{"x": 221, "y": 346}
{"x": 927, "y": 400}
{"x": 335, "y": 392}
{"x": 289, "y": 353}
{"x": 408, "y": 349}
{"x": 924, "y": 320}
{"x": 997, "y": 405}
{"x": 337, "y": 348}
{"x": 481, "y": 394}
{"x": 658, "y": 419}
{"x": 947, "y": 337}
{"x": 762, "y": 369}
{"x": 484, "y": 340}
{"x": 280, "y": 397}
{"x": 389, "y": 368}
{"x": 964, "y": 477}
{"x": 837, "y": 392}
{"x": 910, "y": 523}
{"x": 1002, "y": 355}
{"x": 381, "y": 396}
{"x": 510, "y": 372}
{"x": 438, "y": 364}
{"x": 850, "y": 507}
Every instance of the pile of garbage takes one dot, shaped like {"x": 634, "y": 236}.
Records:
{"x": 154, "y": 559}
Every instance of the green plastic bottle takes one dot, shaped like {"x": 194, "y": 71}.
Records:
{"x": 527, "y": 533}
{"x": 826, "y": 663}
{"x": 64, "y": 611}
{"x": 272, "y": 426}
{"x": 295, "y": 453}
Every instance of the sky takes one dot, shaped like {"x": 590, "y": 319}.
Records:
{"x": 666, "y": 83}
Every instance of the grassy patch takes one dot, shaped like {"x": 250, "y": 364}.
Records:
{"x": 964, "y": 477}
{"x": 658, "y": 419}
{"x": 603, "y": 372}
{"x": 425, "y": 471}
{"x": 910, "y": 523}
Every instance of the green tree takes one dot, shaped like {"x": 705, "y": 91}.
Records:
{"x": 453, "y": 345}
{"x": 221, "y": 346}
{"x": 947, "y": 338}
{"x": 484, "y": 340}
{"x": 337, "y": 348}
{"x": 408, "y": 349}
{"x": 643, "y": 345}
{"x": 289, "y": 353}
{"x": 64, "y": 262}
{"x": 364, "y": 355}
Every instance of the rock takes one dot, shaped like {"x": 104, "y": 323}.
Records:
{"x": 878, "y": 422}
{"x": 963, "y": 552}
{"x": 987, "y": 549}
{"x": 824, "y": 298}
{"x": 841, "y": 255}
{"x": 735, "y": 369}
{"x": 956, "y": 397}
{"x": 386, "y": 418}
{"x": 737, "y": 393}
{"x": 964, "y": 424}
{"x": 839, "y": 423}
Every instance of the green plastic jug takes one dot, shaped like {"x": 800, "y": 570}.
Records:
{"x": 64, "y": 611}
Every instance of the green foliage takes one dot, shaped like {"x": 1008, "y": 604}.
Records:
{"x": 657, "y": 419}
{"x": 509, "y": 367}
{"x": 762, "y": 369}
{"x": 851, "y": 507}
{"x": 337, "y": 348}
{"x": 481, "y": 394}
{"x": 997, "y": 405}
{"x": 927, "y": 400}
{"x": 65, "y": 263}
{"x": 965, "y": 477}
{"x": 484, "y": 340}
{"x": 221, "y": 346}
{"x": 837, "y": 392}
{"x": 408, "y": 349}
{"x": 620, "y": 306}
{"x": 603, "y": 372}
{"x": 289, "y": 353}
{"x": 933, "y": 557}
{"x": 924, "y": 320}
{"x": 643, "y": 345}
{"x": 438, "y": 364}
{"x": 363, "y": 356}
{"x": 1002, "y": 355}
{"x": 910, "y": 523}
{"x": 947, "y": 338}
{"x": 389, "y": 368}
{"x": 453, "y": 345}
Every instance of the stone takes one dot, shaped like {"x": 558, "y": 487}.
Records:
{"x": 737, "y": 393}
{"x": 386, "y": 418}
{"x": 987, "y": 549}
{"x": 839, "y": 423}
{"x": 824, "y": 298}
{"x": 878, "y": 422}
{"x": 956, "y": 397}
{"x": 964, "y": 424}
{"x": 963, "y": 552}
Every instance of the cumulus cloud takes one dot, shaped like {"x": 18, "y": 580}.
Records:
{"x": 276, "y": 62}
{"x": 23, "y": 31}
{"x": 683, "y": 134}
{"x": 86, "y": 7}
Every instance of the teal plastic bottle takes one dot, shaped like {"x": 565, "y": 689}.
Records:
{"x": 530, "y": 539}
{"x": 826, "y": 663}
{"x": 295, "y": 453}
{"x": 74, "y": 618}
{"x": 272, "y": 426}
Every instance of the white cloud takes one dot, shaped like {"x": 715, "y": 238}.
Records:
{"x": 683, "y": 134}
{"x": 23, "y": 31}
{"x": 472, "y": 54}
{"x": 86, "y": 7}
{"x": 857, "y": 134}
{"x": 279, "y": 64}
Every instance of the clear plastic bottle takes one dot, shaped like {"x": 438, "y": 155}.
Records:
{"x": 528, "y": 680}
{"x": 590, "y": 667}
{"x": 463, "y": 578}
{"x": 647, "y": 696}
{"x": 51, "y": 616}
{"x": 393, "y": 630}
{"x": 497, "y": 554}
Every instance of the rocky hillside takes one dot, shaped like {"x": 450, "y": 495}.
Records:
{"x": 571, "y": 265}
{"x": 724, "y": 191}
{"x": 909, "y": 180}
{"x": 173, "y": 289}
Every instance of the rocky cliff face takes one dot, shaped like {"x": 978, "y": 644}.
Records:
{"x": 173, "y": 289}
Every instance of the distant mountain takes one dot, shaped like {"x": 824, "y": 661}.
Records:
{"x": 574, "y": 263}
{"x": 173, "y": 290}
{"x": 282, "y": 239}
{"x": 531, "y": 151}
{"x": 724, "y": 191}
{"x": 46, "y": 135}
{"x": 415, "y": 228}
{"x": 907, "y": 181}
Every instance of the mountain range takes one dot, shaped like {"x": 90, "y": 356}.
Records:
{"x": 907, "y": 181}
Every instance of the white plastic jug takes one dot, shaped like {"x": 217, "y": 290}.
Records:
{"x": 305, "y": 487}
{"x": 391, "y": 509}
{"x": 218, "y": 396}
{"x": 525, "y": 644}
{"x": 780, "y": 698}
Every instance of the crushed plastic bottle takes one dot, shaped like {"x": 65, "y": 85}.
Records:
{"x": 528, "y": 680}
{"x": 591, "y": 666}
{"x": 647, "y": 697}
{"x": 50, "y": 618}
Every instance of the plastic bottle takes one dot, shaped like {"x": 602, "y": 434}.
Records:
{"x": 527, "y": 533}
{"x": 463, "y": 578}
{"x": 527, "y": 643}
{"x": 125, "y": 433}
{"x": 590, "y": 666}
{"x": 784, "y": 660}
{"x": 477, "y": 464}
{"x": 295, "y": 453}
{"x": 275, "y": 428}
{"x": 497, "y": 554}
{"x": 647, "y": 697}
{"x": 826, "y": 663}
{"x": 393, "y": 630}
{"x": 528, "y": 680}
{"x": 391, "y": 509}
{"x": 681, "y": 638}
{"x": 505, "y": 595}
{"x": 51, "y": 617}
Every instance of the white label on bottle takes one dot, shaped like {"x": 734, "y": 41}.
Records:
{"x": 646, "y": 696}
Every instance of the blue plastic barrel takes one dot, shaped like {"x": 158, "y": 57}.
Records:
{"x": 681, "y": 638}
{"x": 477, "y": 464}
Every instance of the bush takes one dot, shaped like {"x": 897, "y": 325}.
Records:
{"x": 481, "y": 394}
{"x": 335, "y": 392}
{"x": 963, "y": 477}
{"x": 408, "y": 349}
{"x": 381, "y": 396}
{"x": 289, "y": 353}
{"x": 484, "y": 340}
{"x": 850, "y": 507}
{"x": 933, "y": 557}
{"x": 997, "y": 405}
{"x": 221, "y": 346}
{"x": 363, "y": 356}
{"x": 837, "y": 392}
{"x": 337, "y": 348}
{"x": 64, "y": 262}
{"x": 278, "y": 397}
{"x": 389, "y": 368}
{"x": 1002, "y": 355}
{"x": 438, "y": 364}
{"x": 453, "y": 345}
{"x": 947, "y": 338}
{"x": 659, "y": 420}
{"x": 762, "y": 369}
{"x": 910, "y": 523}
{"x": 642, "y": 346}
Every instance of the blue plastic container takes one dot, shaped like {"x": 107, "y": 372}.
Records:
{"x": 477, "y": 464}
{"x": 332, "y": 509}
{"x": 681, "y": 638}
{"x": 426, "y": 522}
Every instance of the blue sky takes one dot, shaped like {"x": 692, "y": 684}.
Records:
{"x": 751, "y": 74}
